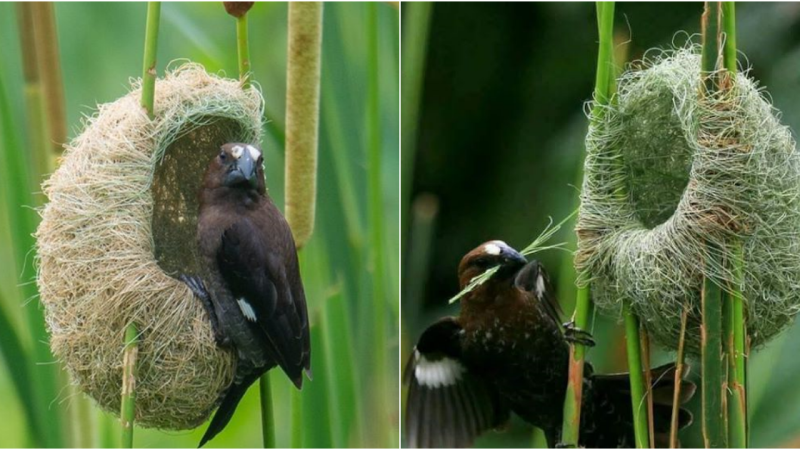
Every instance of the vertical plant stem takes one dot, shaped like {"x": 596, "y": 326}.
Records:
{"x": 644, "y": 338}
{"x": 676, "y": 403}
{"x": 127, "y": 413}
{"x": 243, "y": 50}
{"x": 44, "y": 25}
{"x": 17, "y": 361}
{"x": 21, "y": 172}
{"x": 737, "y": 400}
{"x": 297, "y": 420}
{"x": 34, "y": 96}
{"x": 415, "y": 45}
{"x": 713, "y": 382}
{"x": 583, "y": 305}
{"x": 638, "y": 401}
{"x": 711, "y": 360}
{"x": 377, "y": 242}
{"x": 302, "y": 116}
{"x": 150, "y": 51}
{"x": 267, "y": 414}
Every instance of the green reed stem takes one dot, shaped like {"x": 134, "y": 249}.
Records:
{"x": 267, "y": 414}
{"x": 679, "y": 366}
{"x": 243, "y": 50}
{"x": 24, "y": 164}
{"x": 638, "y": 400}
{"x": 149, "y": 65}
{"x": 713, "y": 382}
{"x": 583, "y": 304}
{"x": 377, "y": 214}
{"x": 127, "y": 413}
{"x": 737, "y": 394}
{"x": 415, "y": 46}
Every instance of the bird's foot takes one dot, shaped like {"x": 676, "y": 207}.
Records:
{"x": 199, "y": 290}
{"x": 576, "y": 335}
{"x": 565, "y": 445}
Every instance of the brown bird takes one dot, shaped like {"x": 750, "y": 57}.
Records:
{"x": 507, "y": 352}
{"x": 255, "y": 299}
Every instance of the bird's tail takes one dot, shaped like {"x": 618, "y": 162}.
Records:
{"x": 611, "y": 404}
{"x": 227, "y": 407}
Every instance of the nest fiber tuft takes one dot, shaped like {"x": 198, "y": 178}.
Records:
{"x": 120, "y": 225}
{"x": 672, "y": 182}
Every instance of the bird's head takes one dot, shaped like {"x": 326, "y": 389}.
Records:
{"x": 237, "y": 166}
{"x": 487, "y": 255}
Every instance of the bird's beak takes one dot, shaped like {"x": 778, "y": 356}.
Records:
{"x": 244, "y": 169}
{"x": 513, "y": 257}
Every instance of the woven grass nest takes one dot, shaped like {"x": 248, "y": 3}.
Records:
{"x": 120, "y": 226}
{"x": 698, "y": 177}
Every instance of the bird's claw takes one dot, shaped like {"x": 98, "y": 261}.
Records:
{"x": 200, "y": 291}
{"x": 576, "y": 335}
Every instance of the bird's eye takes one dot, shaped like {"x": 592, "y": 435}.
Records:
{"x": 481, "y": 263}
{"x": 222, "y": 156}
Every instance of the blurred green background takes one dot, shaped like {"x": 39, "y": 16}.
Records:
{"x": 493, "y": 128}
{"x": 354, "y": 309}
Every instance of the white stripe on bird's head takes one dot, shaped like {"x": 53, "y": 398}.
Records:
{"x": 437, "y": 373}
{"x": 254, "y": 152}
{"x": 236, "y": 151}
{"x": 495, "y": 247}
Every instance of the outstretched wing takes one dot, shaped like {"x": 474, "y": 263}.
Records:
{"x": 447, "y": 405}
{"x": 263, "y": 276}
{"x": 533, "y": 279}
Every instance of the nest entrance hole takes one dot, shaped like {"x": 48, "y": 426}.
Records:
{"x": 177, "y": 180}
{"x": 657, "y": 158}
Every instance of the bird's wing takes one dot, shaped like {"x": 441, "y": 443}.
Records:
{"x": 265, "y": 282}
{"x": 533, "y": 279}
{"x": 447, "y": 405}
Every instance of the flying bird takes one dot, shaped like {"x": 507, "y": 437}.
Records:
{"x": 507, "y": 352}
{"x": 251, "y": 288}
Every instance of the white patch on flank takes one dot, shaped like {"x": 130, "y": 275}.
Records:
{"x": 540, "y": 287}
{"x": 439, "y": 373}
{"x": 492, "y": 249}
{"x": 247, "y": 310}
{"x": 254, "y": 153}
{"x": 237, "y": 151}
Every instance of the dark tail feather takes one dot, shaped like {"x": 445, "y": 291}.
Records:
{"x": 617, "y": 389}
{"x": 227, "y": 407}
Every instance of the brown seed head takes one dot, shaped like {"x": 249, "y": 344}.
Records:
{"x": 237, "y": 9}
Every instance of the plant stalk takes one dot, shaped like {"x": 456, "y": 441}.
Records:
{"x": 572, "y": 402}
{"x": 267, "y": 414}
{"x": 46, "y": 36}
{"x": 302, "y": 116}
{"x": 644, "y": 338}
{"x": 714, "y": 382}
{"x": 297, "y": 420}
{"x": 127, "y": 413}
{"x": 638, "y": 400}
{"x": 243, "y": 50}
{"x": 415, "y": 46}
{"x": 676, "y": 403}
{"x": 21, "y": 173}
{"x": 376, "y": 211}
{"x": 737, "y": 397}
{"x": 150, "y": 50}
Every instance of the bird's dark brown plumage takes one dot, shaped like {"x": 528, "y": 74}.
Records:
{"x": 506, "y": 352}
{"x": 252, "y": 288}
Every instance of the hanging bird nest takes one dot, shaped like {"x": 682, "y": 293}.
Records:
{"x": 119, "y": 228}
{"x": 672, "y": 182}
